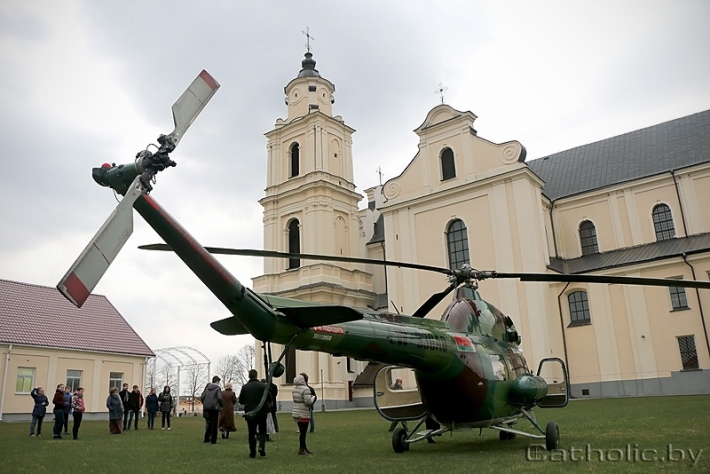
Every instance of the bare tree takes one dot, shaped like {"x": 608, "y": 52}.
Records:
{"x": 196, "y": 378}
{"x": 226, "y": 367}
{"x": 167, "y": 376}
{"x": 235, "y": 368}
{"x": 151, "y": 374}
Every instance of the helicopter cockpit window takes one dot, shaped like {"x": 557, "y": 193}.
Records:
{"x": 457, "y": 239}
{"x": 499, "y": 370}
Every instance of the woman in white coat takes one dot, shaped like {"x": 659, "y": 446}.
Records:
{"x": 302, "y": 401}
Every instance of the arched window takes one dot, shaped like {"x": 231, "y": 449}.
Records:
{"x": 295, "y": 152}
{"x": 290, "y": 364}
{"x": 663, "y": 222}
{"x": 294, "y": 243}
{"x": 448, "y": 168}
{"x": 579, "y": 309}
{"x": 457, "y": 240}
{"x": 588, "y": 238}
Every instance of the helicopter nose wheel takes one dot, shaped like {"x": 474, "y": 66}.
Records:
{"x": 399, "y": 435}
{"x": 552, "y": 436}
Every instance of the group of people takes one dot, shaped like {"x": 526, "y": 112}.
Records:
{"x": 65, "y": 403}
{"x": 125, "y": 406}
{"x": 259, "y": 401}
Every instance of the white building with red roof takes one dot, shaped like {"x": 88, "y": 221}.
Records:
{"x": 45, "y": 341}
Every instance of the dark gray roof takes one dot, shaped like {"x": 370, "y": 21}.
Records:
{"x": 378, "y": 234}
{"x": 632, "y": 255}
{"x": 658, "y": 149}
{"x": 308, "y": 66}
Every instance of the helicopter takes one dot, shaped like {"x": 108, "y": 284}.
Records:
{"x": 468, "y": 366}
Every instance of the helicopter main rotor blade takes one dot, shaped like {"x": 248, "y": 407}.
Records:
{"x": 306, "y": 256}
{"x": 587, "y": 278}
{"x": 433, "y": 300}
{"x": 191, "y": 102}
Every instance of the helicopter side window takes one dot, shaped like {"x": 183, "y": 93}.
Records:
{"x": 500, "y": 371}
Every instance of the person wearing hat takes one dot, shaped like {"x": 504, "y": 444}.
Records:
{"x": 212, "y": 404}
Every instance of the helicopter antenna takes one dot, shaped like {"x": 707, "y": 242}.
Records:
{"x": 395, "y": 306}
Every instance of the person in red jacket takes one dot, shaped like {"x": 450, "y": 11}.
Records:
{"x": 59, "y": 402}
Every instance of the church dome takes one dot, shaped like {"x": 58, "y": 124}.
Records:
{"x": 308, "y": 67}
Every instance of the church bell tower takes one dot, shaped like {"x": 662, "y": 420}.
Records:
{"x": 311, "y": 205}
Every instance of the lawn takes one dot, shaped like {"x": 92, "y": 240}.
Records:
{"x": 621, "y": 435}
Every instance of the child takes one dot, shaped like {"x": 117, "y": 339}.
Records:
{"x": 40, "y": 409}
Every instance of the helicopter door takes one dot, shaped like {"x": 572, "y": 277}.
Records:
{"x": 554, "y": 371}
{"x": 396, "y": 405}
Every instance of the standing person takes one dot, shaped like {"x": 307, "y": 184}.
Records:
{"x": 274, "y": 392}
{"x": 59, "y": 401}
{"x": 135, "y": 403}
{"x": 125, "y": 395}
{"x": 302, "y": 401}
{"x": 77, "y": 407}
{"x": 115, "y": 411}
{"x": 67, "y": 408}
{"x": 151, "y": 406}
{"x": 397, "y": 385}
{"x": 39, "y": 410}
{"x": 212, "y": 404}
{"x": 310, "y": 408}
{"x": 250, "y": 396}
{"x": 166, "y": 405}
{"x": 271, "y": 403}
{"x": 226, "y": 416}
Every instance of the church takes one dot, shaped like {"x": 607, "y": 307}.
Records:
{"x": 629, "y": 205}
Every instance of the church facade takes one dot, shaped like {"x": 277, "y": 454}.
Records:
{"x": 630, "y": 205}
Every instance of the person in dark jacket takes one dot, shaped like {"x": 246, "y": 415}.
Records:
{"x": 67, "y": 408}
{"x": 115, "y": 411}
{"x": 166, "y": 405}
{"x": 274, "y": 392}
{"x": 212, "y": 404}
{"x": 39, "y": 410}
{"x": 59, "y": 401}
{"x": 250, "y": 396}
{"x": 135, "y": 403}
{"x": 151, "y": 407}
{"x": 77, "y": 408}
{"x": 125, "y": 396}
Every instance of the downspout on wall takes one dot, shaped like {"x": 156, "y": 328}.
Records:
{"x": 4, "y": 381}
{"x": 700, "y": 304}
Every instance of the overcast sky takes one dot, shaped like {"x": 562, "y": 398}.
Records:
{"x": 87, "y": 82}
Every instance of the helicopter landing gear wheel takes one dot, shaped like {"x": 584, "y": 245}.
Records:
{"x": 505, "y": 436}
{"x": 552, "y": 436}
{"x": 398, "y": 436}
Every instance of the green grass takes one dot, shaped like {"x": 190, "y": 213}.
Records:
{"x": 358, "y": 441}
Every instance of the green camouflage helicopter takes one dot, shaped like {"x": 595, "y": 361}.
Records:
{"x": 469, "y": 370}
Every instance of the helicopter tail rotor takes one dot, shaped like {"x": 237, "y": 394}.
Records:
{"x": 132, "y": 181}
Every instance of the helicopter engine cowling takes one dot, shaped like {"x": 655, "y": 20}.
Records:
{"x": 527, "y": 389}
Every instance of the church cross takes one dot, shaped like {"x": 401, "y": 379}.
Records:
{"x": 308, "y": 39}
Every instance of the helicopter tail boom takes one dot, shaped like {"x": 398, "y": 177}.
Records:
{"x": 253, "y": 315}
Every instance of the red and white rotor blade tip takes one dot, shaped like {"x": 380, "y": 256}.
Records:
{"x": 191, "y": 103}
{"x": 87, "y": 270}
